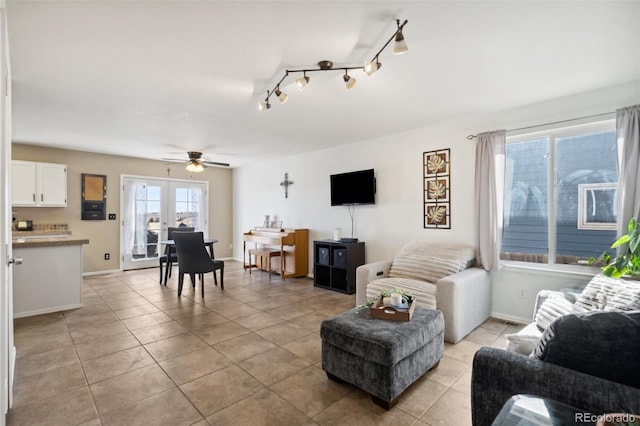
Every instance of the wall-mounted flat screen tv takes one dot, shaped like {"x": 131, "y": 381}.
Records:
{"x": 353, "y": 188}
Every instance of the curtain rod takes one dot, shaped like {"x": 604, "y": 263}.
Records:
{"x": 471, "y": 137}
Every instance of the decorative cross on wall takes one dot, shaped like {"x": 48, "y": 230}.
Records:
{"x": 285, "y": 184}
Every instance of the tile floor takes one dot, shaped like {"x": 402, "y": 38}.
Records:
{"x": 137, "y": 354}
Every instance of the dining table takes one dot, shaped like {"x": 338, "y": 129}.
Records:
{"x": 208, "y": 242}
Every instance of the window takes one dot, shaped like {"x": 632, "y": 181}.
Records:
{"x": 560, "y": 196}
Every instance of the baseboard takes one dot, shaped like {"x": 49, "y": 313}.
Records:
{"x": 12, "y": 362}
{"x": 510, "y": 318}
{"x": 110, "y": 271}
{"x": 48, "y": 310}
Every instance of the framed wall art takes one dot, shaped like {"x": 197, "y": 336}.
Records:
{"x": 437, "y": 189}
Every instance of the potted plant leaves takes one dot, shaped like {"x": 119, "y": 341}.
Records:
{"x": 625, "y": 265}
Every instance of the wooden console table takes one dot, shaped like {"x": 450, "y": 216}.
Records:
{"x": 290, "y": 247}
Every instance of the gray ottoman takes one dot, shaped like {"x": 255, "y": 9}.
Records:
{"x": 381, "y": 357}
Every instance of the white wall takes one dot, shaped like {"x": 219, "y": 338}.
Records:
{"x": 398, "y": 215}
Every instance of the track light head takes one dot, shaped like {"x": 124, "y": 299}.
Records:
{"x": 302, "y": 82}
{"x": 400, "y": 46}
{"x": 371, "y": 67}
{"x": 349, "y": 82}
{"x": 282, "y": 97}
{"x": 264, "y": 105}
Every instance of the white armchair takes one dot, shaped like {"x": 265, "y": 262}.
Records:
{"x": 440, "y": 277}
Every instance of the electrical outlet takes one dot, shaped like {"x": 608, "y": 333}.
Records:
{"x": 107, "y": 256}
{"x": 230, "y": 246}
{"x": 112, "y": 216}
{"x": 521, "y": 293}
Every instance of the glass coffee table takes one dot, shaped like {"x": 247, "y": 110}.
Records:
{"x": 531, "y": 410}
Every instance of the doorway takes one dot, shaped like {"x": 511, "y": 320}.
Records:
{"x": 149, "y": 206}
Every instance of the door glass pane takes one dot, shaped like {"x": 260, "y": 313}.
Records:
{"x": 147, "y": 219}
{"x": 142, "y": 220}
{"x": 188, "y": 207}
{"x": 152, "y": 219}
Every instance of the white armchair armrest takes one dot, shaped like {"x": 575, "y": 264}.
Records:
{"x": 367, "y": 273}
{"x": 465, "y": 301}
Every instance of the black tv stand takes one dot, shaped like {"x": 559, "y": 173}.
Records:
{"x": 335, "y": 264}
{"x": 348, "y": 240}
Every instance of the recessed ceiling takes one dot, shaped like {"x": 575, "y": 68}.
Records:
{"x": 153, "y": 78}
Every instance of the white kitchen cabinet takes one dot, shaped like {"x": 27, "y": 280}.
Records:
{"x": 36, "y": 184}
{"x": 50, "y": 276}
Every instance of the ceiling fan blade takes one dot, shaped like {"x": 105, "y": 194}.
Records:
{"x": 182, "y": 160}
{"x": 215, "y": 163}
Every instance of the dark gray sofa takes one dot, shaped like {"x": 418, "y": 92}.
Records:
{"x": 498, "y": 374}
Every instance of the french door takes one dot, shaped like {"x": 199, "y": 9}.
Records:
{"x": 149, "y": 206}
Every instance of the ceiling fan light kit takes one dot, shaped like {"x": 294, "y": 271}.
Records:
{"x": 194, "y": 166}
{"x": 369, "y": 68}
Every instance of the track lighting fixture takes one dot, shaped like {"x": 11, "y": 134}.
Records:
{"x": 349, "y": 81}
{"x": 369, "y": 68}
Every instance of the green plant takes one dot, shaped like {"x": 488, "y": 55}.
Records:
{"x": 407, "y": 297}
{"x": 624, "y": 264}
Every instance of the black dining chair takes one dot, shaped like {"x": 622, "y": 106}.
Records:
{"x": 193, "y": 258}
{"x": 170, "y": 257}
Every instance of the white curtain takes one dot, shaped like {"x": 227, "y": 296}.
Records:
{"x": 135, "y": 237}
{"x": 490, "y": 175}
{"x": 628, "y": 132}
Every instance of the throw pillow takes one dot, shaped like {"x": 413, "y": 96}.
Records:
{"x": 602, "y": 344}
{"x": 610, "y": 294}
{"x": 430, "y": 264}
{"x": 553, "y": 308}
{"x": 521, "y": 344}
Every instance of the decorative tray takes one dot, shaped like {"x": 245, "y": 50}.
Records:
{"x": 380, "y": 311}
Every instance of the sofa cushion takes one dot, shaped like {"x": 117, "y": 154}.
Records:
{"x": 430, "y": 262}
{"x": 602, "y": 344}
{"x": 610, "y": 294}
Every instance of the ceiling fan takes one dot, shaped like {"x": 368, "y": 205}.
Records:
{"x": 196, "y": 163}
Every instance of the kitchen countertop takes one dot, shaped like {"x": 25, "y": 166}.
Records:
{"x": 22, "y": 239}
